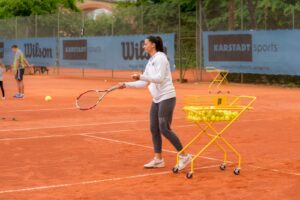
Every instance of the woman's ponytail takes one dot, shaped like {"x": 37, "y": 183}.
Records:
{"x": 159, "y": 46}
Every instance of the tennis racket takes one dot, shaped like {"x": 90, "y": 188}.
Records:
{"x": 91, "y": 98}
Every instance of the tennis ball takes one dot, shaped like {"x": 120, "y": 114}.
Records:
{"x": 227, "y": 118}
{"x": 48, "y": 98}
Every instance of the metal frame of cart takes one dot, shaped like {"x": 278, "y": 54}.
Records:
{"x": 219, "y": 79}
{"x": 207, "y": 110}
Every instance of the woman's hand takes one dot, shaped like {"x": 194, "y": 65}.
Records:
{"x": 121, "y": 85}
{"x": 136, "y": 76}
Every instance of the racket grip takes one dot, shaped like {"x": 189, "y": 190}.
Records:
{"x": 113, "y": 88}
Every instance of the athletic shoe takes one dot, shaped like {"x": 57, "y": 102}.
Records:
{"x": 184, "y": 161}
{"x": 155, "y": 163}
{"x": 20, "y": 96}
{"x": 17, "y": 95}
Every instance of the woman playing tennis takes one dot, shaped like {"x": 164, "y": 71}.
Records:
{"x": 158, "y": 75}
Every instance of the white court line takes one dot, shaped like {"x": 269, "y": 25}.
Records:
{"x": 42, "y": 109}
{"x": 144, "y": 146}
{"x": 94, "y": 181}
{"x": 54, "y": 136}
{"x": 75, "y": 125}
{"x": 35, "y": 137}
{"x": 124, "y": 142}
{"x": 133, "y": 144}
{"x": 118, "y": 141}
{"x": 98, "y": 132}
{"x": 66, "y": 108}
{"x": 274, "y": 170}
{"x": 109, "y": 123}
{"x": 169, "y": 151}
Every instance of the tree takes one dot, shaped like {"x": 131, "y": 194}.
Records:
{"x": 11, "y": 8}
{"x": 251, "y": 8}
{"x": 230, "y": 14}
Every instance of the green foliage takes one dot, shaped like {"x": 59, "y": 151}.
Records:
{"x": 269, "y": 14}
{"x": 10, "y": 8}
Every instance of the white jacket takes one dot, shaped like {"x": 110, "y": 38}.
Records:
{"x": 158, "y": 73}
{"x": 1, "y": 73}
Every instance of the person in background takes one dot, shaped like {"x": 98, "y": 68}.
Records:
{"x": 19, "y": 64}
{"x": 2, "y": 70}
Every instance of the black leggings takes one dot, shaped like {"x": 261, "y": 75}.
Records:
{"x": 161, "y": 115}
{"x": 2, "y": 88}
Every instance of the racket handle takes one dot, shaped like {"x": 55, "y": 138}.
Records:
{"x": 113, "y": 88}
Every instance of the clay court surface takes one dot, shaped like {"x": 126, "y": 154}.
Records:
{"x": 54, "y": 151}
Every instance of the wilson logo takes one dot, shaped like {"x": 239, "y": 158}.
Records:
{"x": 33, "y": 50}
{"x": 135, "y": 51}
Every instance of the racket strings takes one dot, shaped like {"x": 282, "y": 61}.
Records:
{"x": 89, "y": 99}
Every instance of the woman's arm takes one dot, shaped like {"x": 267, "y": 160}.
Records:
{"x": 161, "y": 64}
{"x": 136, "y": 84}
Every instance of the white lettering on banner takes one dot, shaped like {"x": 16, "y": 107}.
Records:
{"x": 263, "y": 48}
{"x": 232, "y": 47}
{"x": 75, "y": 49}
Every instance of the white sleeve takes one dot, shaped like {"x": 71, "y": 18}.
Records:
{"x": 161, "y": 64}
{"x": 139, "y": 83}
{"x": 18, "y": 55}
{"x": 136, "y": 84}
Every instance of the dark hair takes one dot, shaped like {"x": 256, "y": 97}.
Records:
{"x": 14, "y": 46}
{"x": 159, "y": 46}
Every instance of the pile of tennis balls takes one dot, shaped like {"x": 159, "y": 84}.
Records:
{"x": 208, "y": 114}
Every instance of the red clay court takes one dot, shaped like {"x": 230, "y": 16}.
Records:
{"x": 54, "y": 151}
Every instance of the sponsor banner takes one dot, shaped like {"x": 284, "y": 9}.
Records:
{"x": 74, "y": 49}
{"x": 38, "y": 51}
{"x": 259, "y": 52}
{"x": 110, "y": 52}
{"x": 226, "y": 47}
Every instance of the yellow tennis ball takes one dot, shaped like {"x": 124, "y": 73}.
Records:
{"x": 48, "y": 98}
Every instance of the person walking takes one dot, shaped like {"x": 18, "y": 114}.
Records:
{"x": 158, "y": 75}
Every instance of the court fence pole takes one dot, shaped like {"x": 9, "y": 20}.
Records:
{"x": 199, "y": 43}
{"x": 242, "y": 28}
{"x": 179, "y": 43}
{"x": 16, "y": 28}
{"x": 293, "y": 17}
{"x": 82, "y": 35}
{"x": 57, "y": 46}
{"x": 35, "y": 25}
{"x": 142, "y": 19}
{"x": 242, "y": 14}
{"x": 112, "y": 33}
{"x": 197, "y": 40}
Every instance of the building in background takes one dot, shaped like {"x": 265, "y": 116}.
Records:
{"x": 93, "y": 8}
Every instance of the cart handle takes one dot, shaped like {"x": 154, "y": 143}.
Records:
{"x": 253, "y": 98}
{"x": 214, "y": 69}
